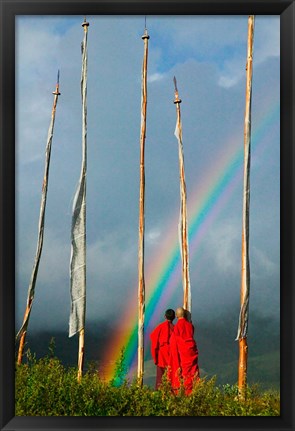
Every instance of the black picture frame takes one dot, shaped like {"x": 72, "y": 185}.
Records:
{"x": 9, "y": 9}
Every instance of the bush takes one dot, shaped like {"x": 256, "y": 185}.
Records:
{"x": 45, "y": 387}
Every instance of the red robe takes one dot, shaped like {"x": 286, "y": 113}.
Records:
{"x": 160, "y": 348}
{"x": 183, "y": 355}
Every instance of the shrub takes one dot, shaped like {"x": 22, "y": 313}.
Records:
{"x": 45, "y": 387}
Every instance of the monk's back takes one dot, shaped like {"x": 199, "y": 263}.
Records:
{"x": 184, "y": 329}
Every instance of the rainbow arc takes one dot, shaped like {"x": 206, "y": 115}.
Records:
{"x": 163, "y": 275}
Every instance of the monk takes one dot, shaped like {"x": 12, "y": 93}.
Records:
{"x": 183, "y": 353}
{"x": 160, "y": 344}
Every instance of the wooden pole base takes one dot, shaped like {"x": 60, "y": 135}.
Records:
{"x": 21, "y": 348}
{"x": 242, "y": 370}
{"x": 140, "y": 369}
{"x": 80, "y": 355}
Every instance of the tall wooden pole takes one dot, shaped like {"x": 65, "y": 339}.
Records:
{"x": 31, "y": 291}
{"x": 183, "y": 227}
{"x": 141, "y": 282}
{"x": 245, "y": 270}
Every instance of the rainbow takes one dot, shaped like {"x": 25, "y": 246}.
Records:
{"x": 163, "y": 274}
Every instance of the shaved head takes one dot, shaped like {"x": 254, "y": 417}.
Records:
{"x": 180, "y": 312}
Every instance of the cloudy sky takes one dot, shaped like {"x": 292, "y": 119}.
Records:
{"x": 208, "y": 56}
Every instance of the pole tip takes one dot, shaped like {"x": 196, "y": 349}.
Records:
{"x": 145, "y": 34}
{"x": 176, "y": 97}
{"x": 56, "y": 92}
{"x": 85, "y": 23}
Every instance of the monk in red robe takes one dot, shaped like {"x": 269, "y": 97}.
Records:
{"x": 160, "y": 345}
{"x": 183, "y": 353}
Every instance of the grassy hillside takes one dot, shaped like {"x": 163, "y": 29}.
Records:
{"x": 45, "y": 387}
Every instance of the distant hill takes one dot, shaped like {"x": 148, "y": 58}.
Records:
{"x": 263, "y": 369}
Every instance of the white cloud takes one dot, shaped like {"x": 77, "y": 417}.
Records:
{"x": 54, "y": 265}
{"x": 267, "y": 38}
{"x": 52, "y": 283}
{"x": 37, "y": 48}
{"x": 111, "y": 255}
{"x": 266, "y": 44}
{"x": 262, "y": 264}
{"x": 36, "y": 71}
{"x": 229, "y": 80}
{"x": 156, "y": 77}
{"x": 152, "y": 236}
{"x": 222, "y": 244}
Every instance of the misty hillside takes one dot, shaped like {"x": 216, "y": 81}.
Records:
{"x": 218, "y": 350}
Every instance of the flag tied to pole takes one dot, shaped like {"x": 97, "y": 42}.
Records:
{"x": 78, "y": 231}
{"x": 182, "y": 226}
{"x": 31, "y": 289}
{"x": 245, "y": 273}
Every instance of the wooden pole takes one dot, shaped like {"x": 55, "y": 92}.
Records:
{"x": 31, "y": 291}
{"x": 141, "y": 281}
{"x": 23, "y": 337}
{"x": 183, "y": 227}
{"x": 81, "y": 354}
{"x": 245, "y": 271}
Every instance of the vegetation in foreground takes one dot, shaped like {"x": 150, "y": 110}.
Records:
{"x": 44, "y": 387}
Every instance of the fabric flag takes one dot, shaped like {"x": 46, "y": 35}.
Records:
{"x": 31, "y": 290}
{"x": 245, "y": 273}
{"x": 78, "y": 231}
{"x": 183, "y": 229}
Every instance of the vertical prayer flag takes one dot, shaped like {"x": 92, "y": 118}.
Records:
{"x": 78, "y": 231}
{"x": 31, "y": 290}
{"x": 183, "y": 227}
{"x": 245, "y": 270}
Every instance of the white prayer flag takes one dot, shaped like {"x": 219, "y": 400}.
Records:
{"x": 78, "y": 231}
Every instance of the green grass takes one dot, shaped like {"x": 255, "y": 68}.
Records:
{"x": 45, "y": 387}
